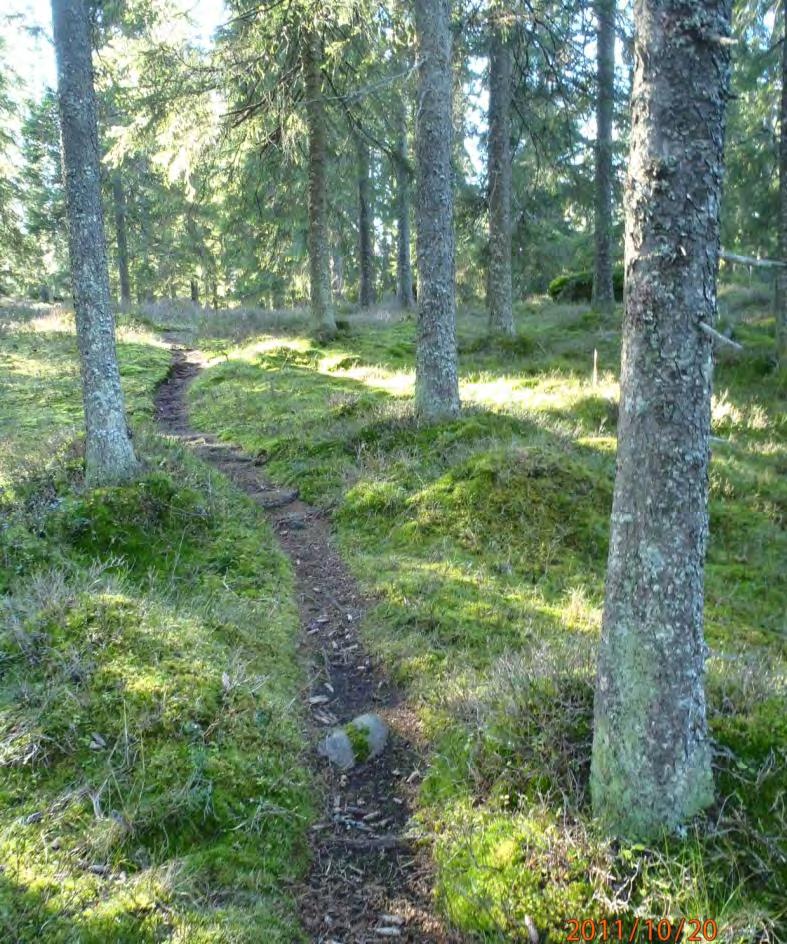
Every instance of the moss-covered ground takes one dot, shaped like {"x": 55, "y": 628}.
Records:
{"x": 484, "y": 541}
{"x": 152, "y": 781}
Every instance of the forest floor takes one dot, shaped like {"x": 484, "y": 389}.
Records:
{"x": 471, "y": 557}
{"x": 367, "y": 877}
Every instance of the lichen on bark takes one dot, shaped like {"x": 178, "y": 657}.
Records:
{"x": 436, "y": 375}
{"x": 651, "y": 765}
{"x": 323, "y": 313}
{"x": 109, "y": 455}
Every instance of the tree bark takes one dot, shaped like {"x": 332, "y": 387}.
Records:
{"x": 781, "y": 275}
{"x": 498, "y": 291}
{"x": 603, "y": 289}
{"x": 319, "y": 255}
{"x": 119, "y": 200}
{"x": 337, "y": 271}
{"x": 366, "y": 294}
{"x": 194, "y": 287}
{"x": 651, "y": 765}
{"x": 109, "y": 455}
{"x": 404, "y": 271}
{"x": 436, "y": 383}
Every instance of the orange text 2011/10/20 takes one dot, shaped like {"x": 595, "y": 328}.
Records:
{"x": 691, "y": 930}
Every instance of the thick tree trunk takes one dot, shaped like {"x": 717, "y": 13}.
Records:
{"x": 603, "y": 290}
{"x": 404, "y": 271}
{"x": 109, "y": 455}
{"x": 319, "y": 255}
{"x": 436, "y": 383}
{"x": 781, "y": 274}
{"x": 119, "y": 199}
{"x": 651, "y": 757}
{"x": 366, "y": 294}
{"x": 498, "y": 290}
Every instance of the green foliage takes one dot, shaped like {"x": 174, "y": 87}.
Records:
{"x": 13, "y": 243}
{"x": 578, "y": 286}
{"x": 46, "y": 276}
{"x": 752, "y": 139}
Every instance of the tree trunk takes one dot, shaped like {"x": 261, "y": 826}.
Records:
{"x": 366, "y": 295}
{"x": 651, "y": 765}
{"x": 404, "y": 271}
{"x": 436, "y": 384}
{"x": 498, "y": 291}
{"x": 194, "y": 291}
{"x": 319, "y": 256}
{"x": 119, "y": 199}
{"x": 109, "y": 455}
{"x": 781, "y": 274}
{"x": 603, "y": 289}
{"x": 145, "y": 276}
{"x": 337, "y": 271}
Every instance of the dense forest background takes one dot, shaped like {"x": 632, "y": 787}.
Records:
{"x": 205, "y": 150}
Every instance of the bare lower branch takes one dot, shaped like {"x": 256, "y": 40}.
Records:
{"x": 719, "y": 338}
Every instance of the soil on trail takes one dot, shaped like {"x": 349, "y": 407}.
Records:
{"x": 368, "y": 881}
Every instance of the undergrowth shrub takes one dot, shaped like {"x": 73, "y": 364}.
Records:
{"x": 578, "y": 286}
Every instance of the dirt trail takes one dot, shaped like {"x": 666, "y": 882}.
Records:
{"x": 368, "y": 882}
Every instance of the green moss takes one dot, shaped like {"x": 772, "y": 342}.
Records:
{"x": 154, "y": 785}
{"x": 163, "y": 686}
{"x": 578, "y": 286}
{"x": 484, "y": 542}
{"x": 359, "y": 739}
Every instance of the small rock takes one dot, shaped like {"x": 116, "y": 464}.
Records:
{"x": 294, "y": 522}
{"x": 362, "y": 739}
{"x": 338, "y": 749}
{"x": 278, "y": 498}
{"x": 376, "y": 731}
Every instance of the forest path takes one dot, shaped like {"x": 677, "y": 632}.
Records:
{"x": 368, "y": 882}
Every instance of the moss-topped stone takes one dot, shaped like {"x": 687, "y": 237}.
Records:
{"x": 362, "y": 739}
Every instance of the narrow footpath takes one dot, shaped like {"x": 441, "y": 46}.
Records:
{"x": 369, "y": 881}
